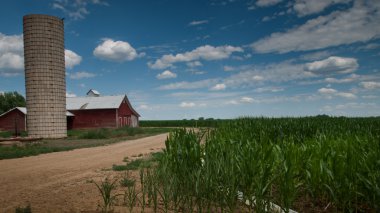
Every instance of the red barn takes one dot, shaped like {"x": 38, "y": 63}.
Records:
{"x": 95, "y": 111}
{"x": 13, "y": 120}
{"x": 92, "y": 111}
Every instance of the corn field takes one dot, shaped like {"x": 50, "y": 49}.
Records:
{"x": 305, "y": 164}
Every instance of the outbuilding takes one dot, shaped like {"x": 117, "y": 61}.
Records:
{"x": 14, "y": 120}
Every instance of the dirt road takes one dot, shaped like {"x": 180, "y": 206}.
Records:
{"x": 59, "y": 182}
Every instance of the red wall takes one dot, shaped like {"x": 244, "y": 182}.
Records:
{"x": 124, "y": 114}
{"x": 7, "y": 121}
{"x": 94, "y": 118}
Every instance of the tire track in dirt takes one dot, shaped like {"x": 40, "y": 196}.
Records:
{"x": 59, "y": 182}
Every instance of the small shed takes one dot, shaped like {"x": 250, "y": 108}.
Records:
{"x": 96, "y": 111}
{"x": 13, "y": 120}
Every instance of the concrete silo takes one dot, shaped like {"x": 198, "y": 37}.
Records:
{"x": 44, "y": 54}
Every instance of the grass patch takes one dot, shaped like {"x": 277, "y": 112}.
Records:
{"x": 119, "y": 167}
{"x": 127, "y": 181}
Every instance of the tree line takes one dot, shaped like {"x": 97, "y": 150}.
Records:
{"x": 9, "y": 100}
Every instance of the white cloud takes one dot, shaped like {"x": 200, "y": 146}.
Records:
{"x": 206, "y": 52}
{"x": 370, "y": 85}
{"x": 71, "y": 59}
{"x": 247, "y": 100}
{"x": 329, "y": 93}
{"x": 166, "y": 74}
{"x": 252, "y": 75}
{"x": 243, "y": 100}
{"x": 189, "y": 85}
{"x": 349, "y": 79}
{"x": 357, "y": 24}
{"x": 144, "y": 107}
{"x": 333, "y": 64}
{"x": 269, "y": 89}
{"x": 11, "y": 55}
{"x": 307, "y": 7}
{"x": 80, "y": 75}
{"x": 187, "y": 104}
{"x": 76, "y": 9}
{"x": 116, "y": 51}
{"x": 70, "y": 95}
{"x": 218, "y": 87}
{"x": 82, "y": 85}
{"x": 195, "y": 23}
{"x": 194, "y": 64}
{"x": 346, "y": 95}
{"x": 266, "y": 3}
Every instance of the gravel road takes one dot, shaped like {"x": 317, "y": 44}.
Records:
{"x": 59, "y": 182}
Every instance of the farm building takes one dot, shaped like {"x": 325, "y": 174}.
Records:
{"x": 91, "y": 111}
{"x": 96, "y": 111}
{"x": 15, "y": 119}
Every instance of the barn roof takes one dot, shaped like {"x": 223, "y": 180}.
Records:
{"x": 99, "y": 102}
{"x": 24, "y": 111}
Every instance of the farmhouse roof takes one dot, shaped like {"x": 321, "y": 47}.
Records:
{"x": 24, "y": 111}
{"x": 97, "y": 102}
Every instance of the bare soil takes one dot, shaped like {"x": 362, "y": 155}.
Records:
{"x": 60, "y": 182}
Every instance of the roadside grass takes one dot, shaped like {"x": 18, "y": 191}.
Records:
{"x": 79, "y": 139}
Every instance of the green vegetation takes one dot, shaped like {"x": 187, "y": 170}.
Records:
{"x": 201, "y": 122}
{"x": 9, "y": 100}
{"x": 305, "y": 164}
{"x": 77, "y": 139}
{"x": 26, "y": 209}
{"x": 107, "y": 190}
{"x": 127, "y": 181}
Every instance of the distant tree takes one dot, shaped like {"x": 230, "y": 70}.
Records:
{"x": 201, "y": 118}
{"x": 9, "y": 100}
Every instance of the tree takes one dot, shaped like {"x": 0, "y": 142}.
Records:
{"x": 9, "y": 100}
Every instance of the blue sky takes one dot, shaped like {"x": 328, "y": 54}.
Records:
{"x": 212, "y": 58}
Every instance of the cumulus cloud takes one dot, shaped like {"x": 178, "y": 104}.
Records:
{"x": 307, "y": 7}
{"x": 71, "y": 59}
{"x": 357, "y": 24}
{"x": 80, "y": 75}
{"x": 333, "y": 64}
{"x": 218, "y": 87}
{"x": 195, "y": 23}
{"x": 11, "y": 55}
{"x": 116, "y": 51}
{"x": 187, "y": 104}
{"x": 206, "y": 52}
{"x": 370, "y": 85}
{"x": 166, "y": 74}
